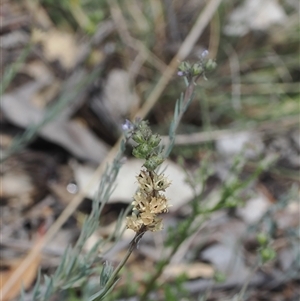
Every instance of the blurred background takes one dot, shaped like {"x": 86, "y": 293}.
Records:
{"x": 73, "y": 71}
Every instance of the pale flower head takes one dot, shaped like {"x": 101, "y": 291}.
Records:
{"x": 140, "y": 201}
{"x": 157, "y": 225}
{"x": 134, "y": 223}
{"x": 145, "y": 181}
{"x": 159, "y": 204}
{"x": 160, "y": 182}
{"x": 147, "y": 217}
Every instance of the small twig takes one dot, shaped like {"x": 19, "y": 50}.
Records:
{"x": 12, "y": 70}
{"x": 214, "y": 39}
{"x": 235, "y": 78}
{"x": 172, "y": 21}
{"x": 196, "y": 138}
{"x": 247, "y": 282}
{"x": 131, "y": 42}
{"x": 182, "y": 53}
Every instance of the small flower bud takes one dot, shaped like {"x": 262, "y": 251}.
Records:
{"x": 154, "y": 140}
{"x": 145, "y": 130}
{"x": 219, "y": 277}
{"x": 262, "y": 239}
{"x": 184, "y": 67}
{"x": 210, "y": 65}
{"x": 142, "y": 151}
{"x": 153, "y": 162}
{"x": 197, "y": 69}
{"x": 138, "y": 137}
{"x": 267, "y": 254}
{"x": 231, "y": 202}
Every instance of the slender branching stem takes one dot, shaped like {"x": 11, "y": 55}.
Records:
{"x": 247, "y": 282}
{"x": 112, "y": 279}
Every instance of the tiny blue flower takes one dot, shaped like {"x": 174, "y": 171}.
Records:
{"x": 127, "y": 126}
{"x": 204, "y": 54}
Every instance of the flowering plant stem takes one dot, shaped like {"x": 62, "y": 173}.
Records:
{"x": 112, "y": 279}
{"x": 180, "y": 109}
{"x": 164, "y": 262}
{"x": 150, "y": 201}
{"x": 150, "y": 184}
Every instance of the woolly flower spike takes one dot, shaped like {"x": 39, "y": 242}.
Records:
{"x": 149, "y": 201}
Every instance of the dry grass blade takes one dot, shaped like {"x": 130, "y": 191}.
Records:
{"x": 131, "y": 42}
{"x": 183, "y": 52}
{"x": 200, "y": 137}
{"x": 24, "y": 279}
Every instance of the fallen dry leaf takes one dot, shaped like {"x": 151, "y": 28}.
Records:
{"x": 119, "y": 99}
{"x": 58, "y": 45}
{"x": 71, "y": 134}
{"x": 191, "y": 270}
{"x": 25, "y": 280}
{"x": 254, "y": 209}
{"x": 253, "y": 15}
{"x": 226, "y": 259}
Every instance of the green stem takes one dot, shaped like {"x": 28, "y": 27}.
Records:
{"x": 187, "y": 98}
{"x": 164, "y": 262}
{"x": 114, "y": 275}
{"x": 246, "y": 284}
{"x": 12, "y": 70}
